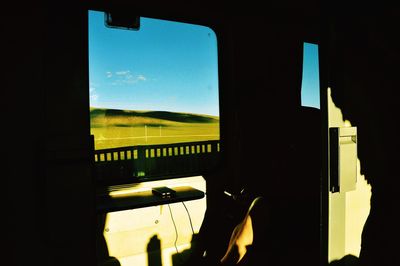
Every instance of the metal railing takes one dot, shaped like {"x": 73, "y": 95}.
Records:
{"x": 165, "y": 160}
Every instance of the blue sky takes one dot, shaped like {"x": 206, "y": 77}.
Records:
{"x": 310, "y": 81}
{"x": 166, "y": 66}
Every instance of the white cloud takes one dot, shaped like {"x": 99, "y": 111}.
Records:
{"x": 141, "y": 77}
{"x": 92, "y": 94}
{"x": 122, "y": 72}
{"x": 125, "y": 77}
{"x": 109, "y": 74}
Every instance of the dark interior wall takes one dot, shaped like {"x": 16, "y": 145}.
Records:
{"x": 23, "y": 102}
{"x": 364, "y": 60}
{"x": 49, "y": 186}
{"x": 69, "y": 187}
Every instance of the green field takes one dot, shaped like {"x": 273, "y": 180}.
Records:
{"x": 121, "y": 128}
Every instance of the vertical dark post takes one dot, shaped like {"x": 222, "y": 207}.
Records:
{"x": 323, "y": 51}
{"x": 141, "y": 161}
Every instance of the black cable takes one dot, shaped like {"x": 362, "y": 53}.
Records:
{"x": 176, "y": 230}
{"x": 190, "y": 219}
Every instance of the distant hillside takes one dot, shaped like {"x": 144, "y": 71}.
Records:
{"x": 101, "y": 117}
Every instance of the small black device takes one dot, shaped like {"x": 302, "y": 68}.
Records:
{"x": 164, "y": 192}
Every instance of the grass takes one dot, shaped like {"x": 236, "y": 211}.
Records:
{"x": 120, "y": 128}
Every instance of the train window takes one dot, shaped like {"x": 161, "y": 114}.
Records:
{"x": 310, "y": 81}
{"x": 154, "y": 99}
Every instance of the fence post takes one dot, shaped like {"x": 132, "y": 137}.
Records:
{"x": 141, "y": 161}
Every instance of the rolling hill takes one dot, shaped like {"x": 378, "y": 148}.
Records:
{"x": 102, "y": 117}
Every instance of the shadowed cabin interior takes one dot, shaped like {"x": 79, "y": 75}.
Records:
{"x": 73, "y": 199}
